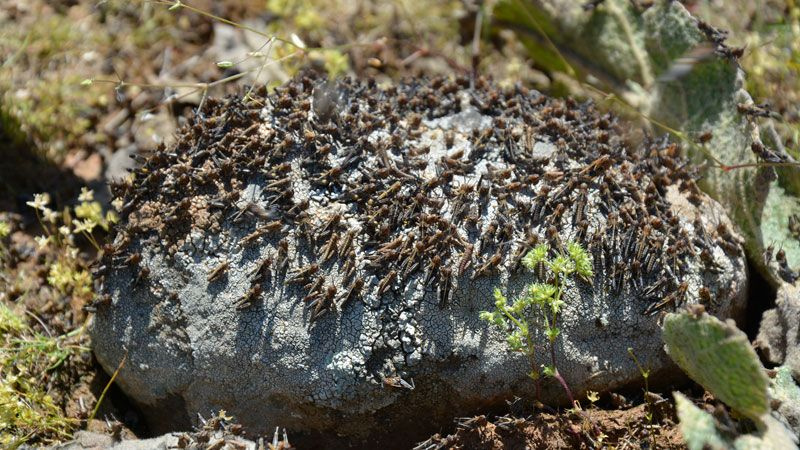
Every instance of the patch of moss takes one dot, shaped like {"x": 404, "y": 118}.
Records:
{"x": 29, "y": 362}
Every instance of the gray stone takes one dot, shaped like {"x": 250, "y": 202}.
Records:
{"x": 779, "y": 342}
{"x": 405, "y": 362}
{"x": 785, "y": 399}
{"x": 779, "y": 333}
{"x": 87, "y": 440}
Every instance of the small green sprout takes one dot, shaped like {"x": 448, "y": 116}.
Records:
{"x": 646, "y": 376}
{"x": 583, "y": 265}
{"x": 536, "y": 256}
{"x": 542, "y": 300}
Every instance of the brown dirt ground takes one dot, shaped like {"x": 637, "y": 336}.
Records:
{"x": 592, "y": 428}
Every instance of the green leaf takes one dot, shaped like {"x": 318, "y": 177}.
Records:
{"x": 536, "y": 256}
{"x": 562, "y": 265}
{"x": 542, "y": 293}
{"x": 783, "y": 386}
{"x": 519, "y": 305}
{"x": 556, "y": 305}
{"x": 697, "y": 426}
{"x": 500, "y": 300}
{"x": 581, "y": 259}
{"x": 514, "y": 341}
{"x": 700, "y": 431}
{"x": 552, "y": 333}
{"x": 718, "y": 356}
{"x": 225, "y": 64}
{"x": 786, "y": 392}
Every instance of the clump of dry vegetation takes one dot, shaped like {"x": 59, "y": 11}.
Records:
{"x": 45, "y": 283}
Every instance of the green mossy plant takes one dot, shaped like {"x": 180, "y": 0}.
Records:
{"x": 543, "y": 299}
{"x": 29, "y": 362}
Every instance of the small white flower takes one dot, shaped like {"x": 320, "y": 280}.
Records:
{"x": 39, "y": 200}
{"x": 49, "y": 215}
{"x": 72, "y": 252}
{"x": 87, "y": 195}
{"x": 117, "y": 203}
{"x": 41, "y": 241}
{"x": 83, "y": 225}
{"x": 64, "y": 230}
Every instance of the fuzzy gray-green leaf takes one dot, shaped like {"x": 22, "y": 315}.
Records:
{"x": 697, "y": 426}
{"x": 718, "y": 356}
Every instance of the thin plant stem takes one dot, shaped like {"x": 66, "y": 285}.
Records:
{"x": 534, "y": 369}
{"x": 194, "y": 87}
{"x": 646, "y": 376}
{"x": 41, "y": 222}
{"x": 570, "y": 70}
{"x": 253, "y": 30}
{"x": 619, "y": 15}
{"x": 108, "y": 385}
{"x": 531, "y": 353}
{"x": 91, "y": 240}
{"x": 560, "y": 283}
{"x": 261, "y": 67}
{"x": 564, "y": 385}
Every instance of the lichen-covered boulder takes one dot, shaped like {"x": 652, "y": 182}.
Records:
{"x": 317, "y": 258}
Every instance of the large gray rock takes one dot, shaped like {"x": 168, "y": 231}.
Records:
{"x": 428, "y": 194}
